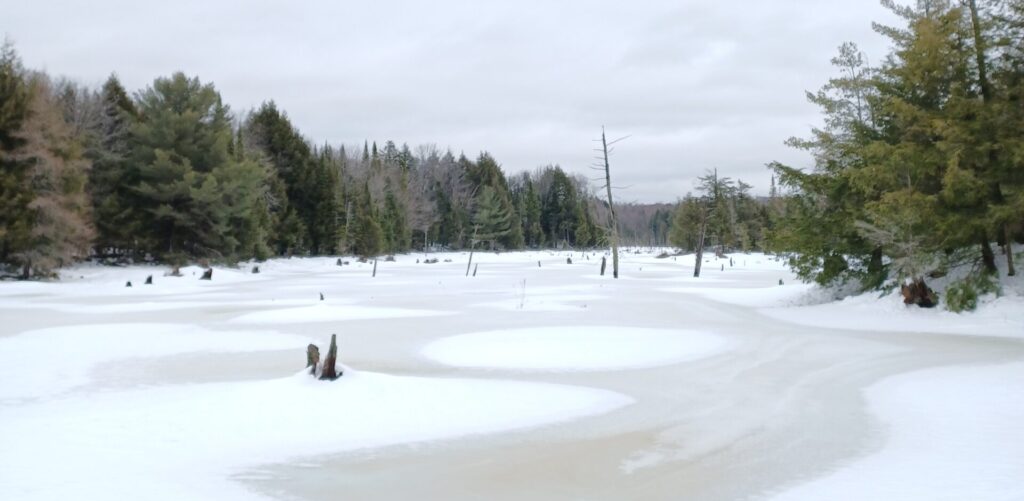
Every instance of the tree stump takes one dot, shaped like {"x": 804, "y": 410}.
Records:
{"x": 321, "y": 296}
{"x": 129, "y": 284}
{"x": 568, "y": 260}
{"x": 338, "y": 262}
{"x": 312, "y": 358}
{"x": 917, "y": 292}
{"x": 255, "y": 269}
{"x": 176, "y": 271}
{"x": 330, "y": 371}
{"x": 149, "y": 280}
{"x": 207, "y": 275}
{"x": 604, "y": 262}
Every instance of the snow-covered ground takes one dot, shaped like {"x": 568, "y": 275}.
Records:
{"x": 533, "y": 379}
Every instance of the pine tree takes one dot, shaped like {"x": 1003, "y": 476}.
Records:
{"x": 492, "y": 220}
{"x": 109, "y": 177}
{"x": 193, "y": 197}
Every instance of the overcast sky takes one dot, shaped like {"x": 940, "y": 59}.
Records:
{"x": 697, "y": 84}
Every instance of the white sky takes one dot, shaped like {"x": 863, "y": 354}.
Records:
{"x": 698, "y": 84}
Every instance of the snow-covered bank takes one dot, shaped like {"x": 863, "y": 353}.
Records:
{"x": 951, "y": 434}
{"x": 1002, "y": 316}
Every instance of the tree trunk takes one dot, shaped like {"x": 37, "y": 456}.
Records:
{"x": 614, "y": 230}
{"x": 1010, "y": 270}
{"x": 700, "y": 246}
{"x": 374, "y": 268}
{"x": 330, "y": 370}
{"x": 988, "y": 259}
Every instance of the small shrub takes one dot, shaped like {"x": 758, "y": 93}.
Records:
{"x": 963, "y": 295}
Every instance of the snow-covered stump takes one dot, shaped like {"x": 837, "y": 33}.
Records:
{"x": 917, "y": 292}
{"x": 330, "y": 371}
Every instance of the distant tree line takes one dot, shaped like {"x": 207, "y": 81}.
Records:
{"x": 169, "y": 173}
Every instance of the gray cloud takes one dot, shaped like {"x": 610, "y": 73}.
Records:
{"x": 698, "y": 85}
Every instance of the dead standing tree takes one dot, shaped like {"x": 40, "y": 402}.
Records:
{"x": 613, "y": 223}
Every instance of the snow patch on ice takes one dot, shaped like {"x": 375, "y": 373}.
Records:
{"x": 954, "y": 433}
{"x": 185, "y": 441}
{"x": 69, "y": 353}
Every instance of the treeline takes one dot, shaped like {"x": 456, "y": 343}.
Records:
{"x": 169, "y": 173}
{"x": 920, "y": 163}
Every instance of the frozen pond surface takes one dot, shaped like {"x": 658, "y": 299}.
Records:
{"x": 524, "y": 382}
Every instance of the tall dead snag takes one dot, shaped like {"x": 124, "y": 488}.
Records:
{"x": 613, "y": 222}
{"x": 312, "y": 358}
{"x": 330, "y": 372}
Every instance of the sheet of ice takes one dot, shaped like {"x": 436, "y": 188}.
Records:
{"x": 569, "y": 348}
{"x": 44, "y": 362}
{"x": 329, "y": 312}
{"x": 184, "y": 442}
{"x": 1001, "y": 317}
{"x": 953, "y": 434}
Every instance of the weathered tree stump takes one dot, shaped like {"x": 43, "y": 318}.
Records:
{"x": 312, "y": 358}
{"x": 538, "y": 264}
{"x": 604, "y": 262}
{"x": 330, "y": 371}
{"x": 321, "y": 296}
{"x": 917, "y": 292}
{"x": 129, "y": 284}
{"x": 568, "y": 260}
{"x": 338, "y": 262}
{"x": 207, "y": 275}
{"x": 255, "y": 269}
{"x": 149, "y": 280}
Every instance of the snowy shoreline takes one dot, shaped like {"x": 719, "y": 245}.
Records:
{"x": 535, "y": 362}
